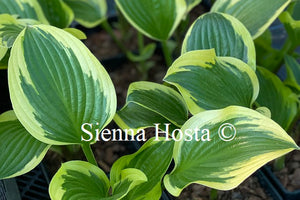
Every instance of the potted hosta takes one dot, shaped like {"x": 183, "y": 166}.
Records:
{"x": 208, "y": 117}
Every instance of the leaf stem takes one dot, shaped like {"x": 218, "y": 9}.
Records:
{"x": 213, "y": 194}
{"x": 279, "y": 163}
{"x": 142, "y": 65}
{"x": 106, "y": 26}
{"x": 87, "y": 150}
{"x": 140, "y": 41}
{"x": 167, "y": 53}
{"x": 291, "y": 7}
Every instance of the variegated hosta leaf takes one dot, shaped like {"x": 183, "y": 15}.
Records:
{"x": 293, "y": 72}
{"x": 10, "y": 28}
{"x": 57, "y": 12}
{"x": 225, "y": 34}
{"x": 191, "y": 4}
{"x": 82, "y": 180}
{"x": 148, "y": 103}
{"x": 20, "y": 152}
{"x": 56, "y": 85}
{"x": 79, "y": 180}
{"x": 24, "y": 9}
{"x": 88, "y": 13}
{"x": 256, "y": 15}
{"x": 274, "y": 95}
{"x": 241, "y": 141}
{"x": 130, "y": 178}
{"x": 156, "y": 157}
{"x": 155, "y": 19}
{"x": 210, "y": 82}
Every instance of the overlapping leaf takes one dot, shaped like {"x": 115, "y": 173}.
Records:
{"x": 210, "y": 82}
{"x": 88, "y": 13}
{"x": 296, "y": 13}
{"x": 293, "y": 72}
{"x": 256, "y": 15}
{"x": 155, "y": 19}
{"x": 292, "y": 27}
{"x": 153, "y": 159}
{"x": 3, "y": 51}
{"x": 252, "y": 140}
{"x": 57, "y": 12}
{"x": 149, "y": 103}
{"x": 29, "y": 9}
{"x": 274, "y": 95}
{"x": 130, "y": 178}
{"x": 76, "y": 32}
{"x": 10, "y": 28}
{"x": 79, "y": 180}
{"x": 82, "y": 180}
{"x": 56, "y": 85}
{"x": 20, "y": 152}
{"x": 225, "y": 34}
{"x": 265, "y": 54}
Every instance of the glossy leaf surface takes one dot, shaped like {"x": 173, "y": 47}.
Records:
{"x": 153, "y": 158}
{"x": 256, "y": 15}
{"x": 79, "y": 180}
{"x": 224, "y": 33}
{"x": 10, "y": 28}
{"x": 29, "y": 9}
{"x": 155, "y": 19}
{"x": 88, "y": 13}
{"x": 56, "y": 85}
{"x": 149, "y": 103}
{"x": 57, "y": 12}
{"x": 209, "y": 82}
{"x": 250, "y": 140}
{"x": 20, "y": 152}
{"x": 82, "y": 180}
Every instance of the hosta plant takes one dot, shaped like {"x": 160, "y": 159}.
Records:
{"x": 231, "y": 134}
{"x": 218, "y": 115}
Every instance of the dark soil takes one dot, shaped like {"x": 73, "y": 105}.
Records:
{"x": 289, "y": 176}
{"x": 250, "y": 189}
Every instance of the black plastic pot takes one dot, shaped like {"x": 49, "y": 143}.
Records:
{"x": 9, "y": 190}
{"x": 274, "y": 186}
{"x": 31, "y": 186}
{"x": 166, "y": 196}
{"x": 34, "y": 185}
